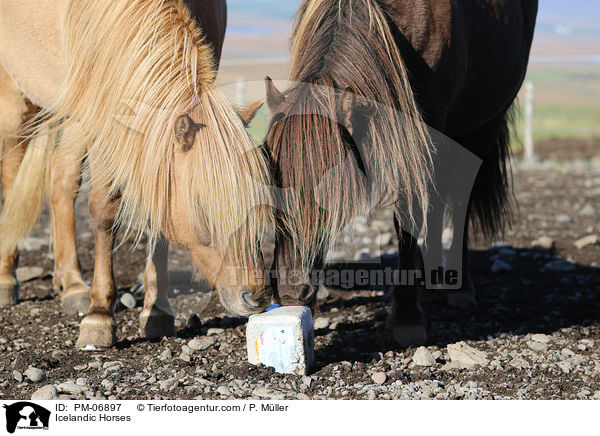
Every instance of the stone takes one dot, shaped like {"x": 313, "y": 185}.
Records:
{"x": 17, "y": 376}
{"x": 27, "y": 273}
{"x": 323, "y": 293}
{"x": 166, "y": 355}
{"x": 47, "y": 392}
{"x": 169, "y": 384}
{"x": 201, "y": 344}
{"x": 379, "y": 378}
{"x": 307, "y": 381}
{"x": 567, "y": 352}
{"x": 537, "y": 346}
{"x": 215, "y": 331}
{"x": 541, "y": 338}
{"x": 423, "y": 357}
{"x": 563, "y": 218}
{"x": 112, "y": 365}
{"x": 587, "y": 210}
{"x": 321, "y": 323}
{"x": 463, "y": 356}
{"x": 519, "y": 363}
{"x": 282, "y": 338}
{"x": 565, "y": 366}
{"x": 587, "y": 241}
{"x": 560, "y": 266}
{"x": 72, "y": 388}
{"x": 543, "y": 242}
{"x": 128, "y": 300}
{"x": 33, "y": 244}
{"x": 383, "y": 239}
{"x": 371, "y": 395}
{"x": 36, "y": 375}
{"x": 500, "y": 266}
{"x": 588, "y": 343}
{"x": 223, "y": 390}
{"x": 58, "y": 354}
{"x": 263, "y": 392}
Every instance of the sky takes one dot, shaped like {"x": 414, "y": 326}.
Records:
{"x": 569, "y": 16}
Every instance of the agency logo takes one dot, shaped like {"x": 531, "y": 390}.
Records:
{"x": 26, "y": 416}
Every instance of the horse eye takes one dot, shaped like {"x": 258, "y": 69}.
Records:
{"x": 278, "y": 117}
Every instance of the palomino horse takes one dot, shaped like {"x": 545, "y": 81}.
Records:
{"x": 456, "y": 67}
{"x": 130, "y": 84}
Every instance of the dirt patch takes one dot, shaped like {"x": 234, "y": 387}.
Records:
{"x": 532, "y": 298}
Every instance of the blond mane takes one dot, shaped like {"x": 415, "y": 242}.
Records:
{"x": 132, "y": 68}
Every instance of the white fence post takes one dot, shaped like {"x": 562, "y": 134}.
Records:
{"x": 529, "y": 154}
{"x": 240, "y": 91}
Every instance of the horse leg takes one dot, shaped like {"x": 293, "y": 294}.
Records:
{"x": 157, "y": 319}
{"x": 488, "y": 197}
{"x": 407, "y": 320}
{"x": 98, "y": 328}
{"x": 463, "y": 299}
{"x": 13, "y": 111}
{"x": 433, "y": 254}
{"x": 65, "y": 177}
{"x": 9, "y": 287}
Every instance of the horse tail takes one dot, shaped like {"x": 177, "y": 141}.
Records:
{"x": 492, "y": 200}
{"x": 24, "y": 204}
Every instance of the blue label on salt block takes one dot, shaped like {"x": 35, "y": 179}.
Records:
{"x": 272, "y": 307}
{"x": 276, "y": 347}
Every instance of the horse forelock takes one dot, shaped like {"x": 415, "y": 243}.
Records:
{"x": 315, "y": 206}
{"x": 133, "y": 67}
{"x": 338, "y": 46}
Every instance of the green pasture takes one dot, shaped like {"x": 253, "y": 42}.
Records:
{"x": 566, "y": 103}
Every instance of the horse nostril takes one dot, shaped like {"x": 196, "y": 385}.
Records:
{"x": 249, "y": 302}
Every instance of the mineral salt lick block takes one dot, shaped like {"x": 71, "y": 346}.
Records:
{"x": 282, "y": 338}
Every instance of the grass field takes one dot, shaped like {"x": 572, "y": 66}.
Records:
{"x": 567, "y": 101}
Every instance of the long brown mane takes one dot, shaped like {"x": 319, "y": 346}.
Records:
{"x": 133, "y": 67}
{"x": 341, "y": 46}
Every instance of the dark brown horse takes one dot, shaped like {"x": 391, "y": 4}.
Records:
{"x": 455, "y": 66}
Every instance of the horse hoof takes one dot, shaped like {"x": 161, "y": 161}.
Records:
{"x": 9, "y": 295}
{"x": 76, "y": 300}
{"x": 97, "y": 332}
{"x": 156, "y": 324}
{"x": 462, "y": 300}
{"x": 407, "y": 335}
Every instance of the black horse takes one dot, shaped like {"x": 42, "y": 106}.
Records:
{"x": 454, "y": 66}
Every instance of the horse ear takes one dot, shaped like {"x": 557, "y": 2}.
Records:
{"x": 248, "y": 112}
{"x": 185, "y": 132}
{"x": 274, "y": 98}
{"x": 345, "y": 108}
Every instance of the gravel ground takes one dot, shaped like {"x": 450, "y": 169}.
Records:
{"x": 536, "y": 333}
